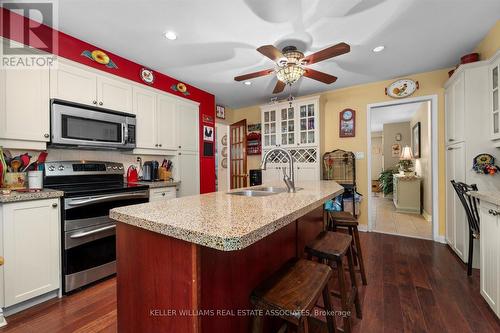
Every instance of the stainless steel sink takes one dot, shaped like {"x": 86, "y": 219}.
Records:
{"x": 253, "y": 193}
{"x": 270, "y": 189}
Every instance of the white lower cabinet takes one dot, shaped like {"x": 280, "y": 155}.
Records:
{"x": 457, "y": 229}
{"x": 30, "y": 232}
{"x": 188, "y": 168}
{"x": 490, "y": 255}
{"x": 163, "y": 193}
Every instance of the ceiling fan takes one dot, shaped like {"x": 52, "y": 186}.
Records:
{"x": 291, "y": 65}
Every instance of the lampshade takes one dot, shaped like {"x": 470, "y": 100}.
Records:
{"x": 406, "y": 154}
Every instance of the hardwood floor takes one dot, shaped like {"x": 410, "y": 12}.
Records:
{"x": 414, "y": 285}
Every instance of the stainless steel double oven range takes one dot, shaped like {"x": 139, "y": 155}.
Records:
{"x": 91, "y": 189}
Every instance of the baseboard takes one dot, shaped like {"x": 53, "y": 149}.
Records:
{"x": 440, "y": 239}
{"x": 29, "y": 303}
{"x": 426, "y": 216}
{"x": 363, "y": 227}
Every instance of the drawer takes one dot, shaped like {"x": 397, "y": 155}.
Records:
{"x": 163, "y": 193}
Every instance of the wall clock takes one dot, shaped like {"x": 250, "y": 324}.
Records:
{"x": 401, "y": 88}
{"x": 347, "y": 127}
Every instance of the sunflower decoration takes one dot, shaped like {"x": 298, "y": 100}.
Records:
{"x": 180, "y": 87}
{"x": 485, "y": 164}
{"x": 100, "y": 57}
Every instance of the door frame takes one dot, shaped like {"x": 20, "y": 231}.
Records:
{"x": 433, "y": 99}
{"x": 240, "y": 123}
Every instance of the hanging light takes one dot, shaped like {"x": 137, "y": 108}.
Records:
{"x": 289, "y": 74}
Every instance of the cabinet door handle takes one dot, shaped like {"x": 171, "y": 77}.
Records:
{"x": 451, "y": 140}
{"x": 159, "y": 145}
{"x": 46, "y": 135}
{"x": 180, "y": 147}
{"x": 163, "y": 194}
{"x": 101, "y": 103}
{"x": 94, "y": 102}
{"x": 180, "y": 153}
{"x": 156, "y": 145}
{"x": 54, "y": 204}
{"x": 492, "y": 212}
{"x": 451, "y": 148}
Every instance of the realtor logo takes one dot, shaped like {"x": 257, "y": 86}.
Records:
{"x": 29, "y": 39}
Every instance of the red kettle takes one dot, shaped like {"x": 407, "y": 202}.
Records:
{"x": 132, "y": 175}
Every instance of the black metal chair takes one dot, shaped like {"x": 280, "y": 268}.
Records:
{"x": 470, "y": 204}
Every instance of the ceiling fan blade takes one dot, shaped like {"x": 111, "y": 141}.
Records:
{"x": 330, "y": 52}
{"x": 271, "y": 52}
{"x": 253, "y": 75}
{"x": 320, "y": 76}
{"x": 280, "y": 85}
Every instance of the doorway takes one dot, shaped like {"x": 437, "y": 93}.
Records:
{"x": 402, "y": 167}
{"x": 238, "y": 154}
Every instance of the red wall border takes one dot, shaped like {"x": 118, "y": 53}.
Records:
{"x": 71, "y": 48}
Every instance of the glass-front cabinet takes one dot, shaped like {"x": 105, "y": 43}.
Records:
{"x": 287, "y": 126}
{"x": 494, "y": 98}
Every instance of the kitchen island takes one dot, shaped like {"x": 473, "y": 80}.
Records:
{"x": 190, "y": 264}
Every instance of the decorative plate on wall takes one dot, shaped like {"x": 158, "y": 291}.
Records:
{"x": 147, "y": 76}
{"x": 223, "y": 163}
{"x": 401, "y": 88}
{"x": 223, "y": 140}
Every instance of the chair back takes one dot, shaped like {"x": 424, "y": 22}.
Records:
{"x": 470, "y": 204}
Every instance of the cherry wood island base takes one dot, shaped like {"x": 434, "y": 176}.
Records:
{"x": 169, "y": 285}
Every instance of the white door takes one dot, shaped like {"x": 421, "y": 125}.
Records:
{"x": 305, "y": 173}
{"x": 459, "y": 108}
{"x": 450, "y": 195}
{"x": 31, "y": 249}
{"x": 273, "y": 174}
{"x": 187, "y": 126}
{"x": 308, "y": 122}
{"x": 114, "y": 94}
{"x": 288, "y": 126}
{"x": 24, "y": 104}
{"x": 494, "y": 79}
{"x": 270, "y": 128}
{"x": 449, "y": 115}
{"x": 490, "y": 255}
{"x": 189, "y": 173}
{"x": 73, "y": 84}
{"x": 145, "y": 110}
{"x": 166, "y": 122}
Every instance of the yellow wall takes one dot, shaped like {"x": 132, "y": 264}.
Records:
{"x": 490, "y": 44}
{"x": 357, "y": 98}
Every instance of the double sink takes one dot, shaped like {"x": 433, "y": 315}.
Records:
{"x": 262, "y": 191}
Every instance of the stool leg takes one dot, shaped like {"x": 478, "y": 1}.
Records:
{"x": 343, "y": 295}
{"x": 257, "y": 324}
{"x": 330, "y": 318}
{"x": 359, "y": 254}
{"x": 355, "y": 257}
{"x": 304, "y": 328}
{"x": 354, "y": 283}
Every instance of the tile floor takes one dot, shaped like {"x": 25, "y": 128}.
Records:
{"x": 387, "y": 220}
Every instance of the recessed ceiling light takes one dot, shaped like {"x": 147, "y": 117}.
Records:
{"x": 247, "y": 83}
{"x": 170, "y": 35}
{"x": 379, "y": 48}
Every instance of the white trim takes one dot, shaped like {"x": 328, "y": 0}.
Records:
{"x": 434, "y": 156}
{"x": 362, "y": 227}
{"x": 426, "y": 216}
{"x": 402, "y": 235}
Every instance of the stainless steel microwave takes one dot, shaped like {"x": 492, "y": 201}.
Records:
{"x": 83, "y": 126}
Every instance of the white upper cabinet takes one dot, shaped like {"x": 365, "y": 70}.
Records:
{"x": 166, "y": 115}
{"x": 75, "y": 84}
{"x": 71, "y": 83}
{"x": 187, "y": 126}
{"x": 114, "y": 94}
{"x": 188, "y": 168}
{"x": 24, "y": 108}
{"x": 290, "y": 126}
{"x": 494, "y": 107}
{"x": 455, "y": 109}
{"x": 145, "y": 110}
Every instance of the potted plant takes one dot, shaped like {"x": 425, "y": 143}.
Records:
{"x": 386, "y": 181}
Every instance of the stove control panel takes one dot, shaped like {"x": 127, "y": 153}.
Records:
{"x": 74, "y": 168}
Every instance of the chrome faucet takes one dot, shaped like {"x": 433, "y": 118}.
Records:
{"x": 288, "y": 179}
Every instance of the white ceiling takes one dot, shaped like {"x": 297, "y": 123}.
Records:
{"x": 217, "y": 39}
{"x": 392, "y": 114}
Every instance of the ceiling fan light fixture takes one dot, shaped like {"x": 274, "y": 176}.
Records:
{"x": 290, "y": 74}
{"x": 378, "y": 49}
{"x": 247, "y": 83}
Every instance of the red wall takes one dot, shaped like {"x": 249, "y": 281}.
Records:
{"x": 72, "y": 48}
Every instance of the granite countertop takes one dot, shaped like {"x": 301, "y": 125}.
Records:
{"x": 488, "y": 196}
{"x": 27, "y": 196}
{"x": 223, "y": 221}
{"x": 159, "y": 184}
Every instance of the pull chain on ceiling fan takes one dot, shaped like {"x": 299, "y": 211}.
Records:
{"x": 291, "y": 65}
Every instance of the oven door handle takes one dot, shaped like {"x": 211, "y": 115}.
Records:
{"x": 106, "y": 198}
{"x": 91, "y": 232}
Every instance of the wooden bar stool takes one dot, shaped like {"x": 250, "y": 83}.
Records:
{"x": 347, "y": 220}
{"x": 292, "y": 294}
{"x": 332, "y": 247}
